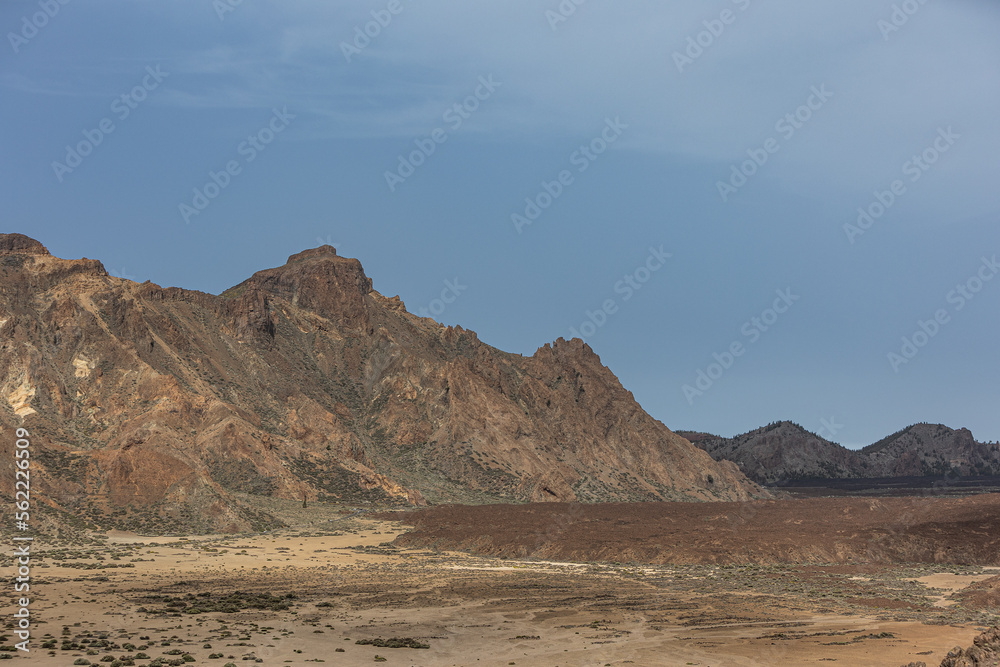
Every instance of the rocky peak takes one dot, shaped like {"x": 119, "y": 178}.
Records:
{"x": 941, "y": 432}
{"x": 20, "y": 244}
{"x": 33, "y": 263}
{"x": 563, "y": 349}
{"x": 322, "y": 251}
{"x": 319, "y": 280}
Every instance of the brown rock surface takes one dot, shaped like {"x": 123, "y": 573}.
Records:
{"x": 983, "y": 595}
{"x": 21, "y": 244}
{"x": 151, "y": 408}
{"x": 818, "y": 530}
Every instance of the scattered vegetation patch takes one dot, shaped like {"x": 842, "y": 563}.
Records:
{"x": 240, "y": 475}
{"x": 227, "y": 604}
{"x": 394, "y": 642}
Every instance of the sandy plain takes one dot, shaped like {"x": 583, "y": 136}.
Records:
{"x": 306, "y": 595}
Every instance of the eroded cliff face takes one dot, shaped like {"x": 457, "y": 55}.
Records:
{"x": 157, "y": 407}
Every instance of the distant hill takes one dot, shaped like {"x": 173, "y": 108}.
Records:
{"x": 784, "y": 451}
{"x": 933, "y": 449}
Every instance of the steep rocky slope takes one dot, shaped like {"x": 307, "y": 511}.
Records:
{"x": 982, "y": 595}
{"x": 155, "y": 407}
{"x": 784, "y": 451}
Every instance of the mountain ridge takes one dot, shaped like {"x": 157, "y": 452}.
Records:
{"x": 157, "y": 407}
{"x": 784, "y": 451}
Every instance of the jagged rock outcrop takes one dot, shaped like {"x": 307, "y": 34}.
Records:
{"x": 154, "y": 408}
{"x": 984, "y": 652}
{"x": 21, "y": 244}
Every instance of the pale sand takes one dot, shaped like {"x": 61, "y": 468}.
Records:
{"x": 950, "y": 583}
{"x": 470, "y": 610}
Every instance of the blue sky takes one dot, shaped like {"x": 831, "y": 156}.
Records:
{"x": 193, "y": 142}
